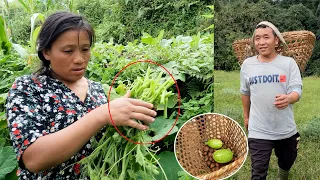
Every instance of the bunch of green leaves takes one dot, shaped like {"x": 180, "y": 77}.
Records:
{"x": 201, "y": 103}
{"x": 116, "y": 158}
{"x": 8, "y": 161}
{"x": 153, "y": 90}
{"x": 188, "y": 58}
{"x": 182, "y": 55}
{"x": 12, "y": 66}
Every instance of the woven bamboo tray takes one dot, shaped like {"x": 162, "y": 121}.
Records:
{"x": 300, "y": 46}
{"x": 190, "y": 140}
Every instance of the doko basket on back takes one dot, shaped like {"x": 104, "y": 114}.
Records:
{"x": 191, "y": 140}
{"x": 300, "y": 46}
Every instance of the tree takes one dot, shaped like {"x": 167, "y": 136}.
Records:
{"x": 287, "y": 15}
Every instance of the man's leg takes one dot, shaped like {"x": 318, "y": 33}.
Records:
{"x": 286, "y": 151}
{"x": 260, "y": 151}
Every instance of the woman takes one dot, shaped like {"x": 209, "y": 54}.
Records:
{"x": 53, "y": 116}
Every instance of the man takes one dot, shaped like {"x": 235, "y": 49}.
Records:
{"x": 270, "y": 85}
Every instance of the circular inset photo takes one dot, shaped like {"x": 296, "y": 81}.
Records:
{"x": 211, "y": 146}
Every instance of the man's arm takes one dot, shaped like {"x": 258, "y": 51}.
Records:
{"x": 294, "y": 91}
{"x": 283, "y": 100}
{"x": 246, "y": 109}
{"x": 245, "y": 96}
{"x": 293, "y": 97}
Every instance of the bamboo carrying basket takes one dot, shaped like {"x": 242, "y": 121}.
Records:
{"x": 300, "y": 46}
{"x": 190, "y": 143}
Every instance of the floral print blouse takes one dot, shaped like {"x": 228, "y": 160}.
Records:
{"x": 38, "y": 106}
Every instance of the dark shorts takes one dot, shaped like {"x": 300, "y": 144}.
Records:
{"x": 260, "y": 150}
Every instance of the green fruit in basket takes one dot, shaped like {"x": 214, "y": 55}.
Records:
{"x": 223, "y": 155}
{"x": 215, "y": 143}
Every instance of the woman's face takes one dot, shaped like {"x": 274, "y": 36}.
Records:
{"x": 69, "y": 55}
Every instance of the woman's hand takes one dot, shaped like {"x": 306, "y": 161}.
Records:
{"x": 125, "y": 111}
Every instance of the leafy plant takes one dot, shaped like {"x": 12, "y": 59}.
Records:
{"x": 188, "y": 58}
{"x": 126, "y": 20}
{"x": 181, "y": 55}
{"x": 35, "y": 30}
{"x": 36, "y": 6}
{"x": 116, "y": 158}
{"x": 153, "y": 90}
{"x": 8, "y": 160}
{"x": 312, "y": 130}
{"x": 210, "y": 16}
{"x": 5, "y": 44}
{"x": 200, "y": 104}
{"x": 171, "y": 167}
{"x": 12, "y": 66}
{"x": 124, "y": 160}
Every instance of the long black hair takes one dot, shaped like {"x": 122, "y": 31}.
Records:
{"x": 52, "y": 28}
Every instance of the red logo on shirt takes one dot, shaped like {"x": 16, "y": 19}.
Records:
{"x": 282, "y": 78}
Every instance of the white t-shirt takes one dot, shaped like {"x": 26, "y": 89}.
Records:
{"x": 262, "y": 81}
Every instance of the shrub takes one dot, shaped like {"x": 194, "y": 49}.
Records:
{"x": 312, "y": 130}
{"x": 126, "y": 21}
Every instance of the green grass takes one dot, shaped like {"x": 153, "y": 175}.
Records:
{"x": 307, "y": 165}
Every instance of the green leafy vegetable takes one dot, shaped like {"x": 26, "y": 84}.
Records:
{"x": 169, "y": 164}
{"x": 8, "y": 161}
{"x": 116, "y": 158}
{"x": 161, "y": 127}
{"x": 153, "y": 90}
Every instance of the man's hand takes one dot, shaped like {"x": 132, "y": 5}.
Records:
{"x": 282, "y": 101}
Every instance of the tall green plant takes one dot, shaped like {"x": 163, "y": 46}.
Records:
{"x": 5, "y": 44}
{"x": 6, "y": 13}
{"x": 209, "y": 16}
{"x": 35, "y": 30}
{"x": 29, "y": 5}
{"x": 33, "y": 7}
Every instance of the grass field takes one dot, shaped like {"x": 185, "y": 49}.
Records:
{"x": 307, "y": 166}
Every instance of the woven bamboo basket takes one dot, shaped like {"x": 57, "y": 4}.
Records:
{"x": 300, "y": 46}
{"x": 191, "y": 139}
